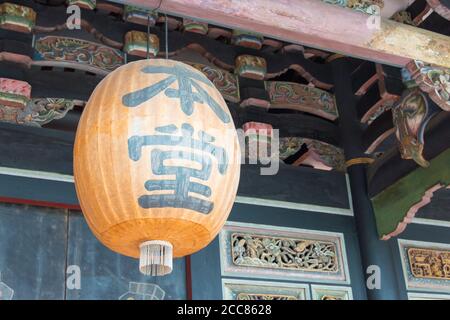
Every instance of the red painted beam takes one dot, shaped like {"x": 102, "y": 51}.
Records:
{"x": 316, "y": 24}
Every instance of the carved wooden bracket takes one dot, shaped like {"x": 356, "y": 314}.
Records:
{"x": 431, "y": 79}
{"x": 17, "y": 18}
{"x": 319, "y": 155}
{"x": 295, "y": 96}
{"x": 440, "y": 8}
{"x": 410, "y": 118}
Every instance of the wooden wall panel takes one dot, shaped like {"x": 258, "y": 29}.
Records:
{"x": 33, "y": 251}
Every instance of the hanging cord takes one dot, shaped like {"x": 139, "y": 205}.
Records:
{"x": 166, "y": 31}
{"x": 148, "y": 37}
{"x": 148, "y": 30}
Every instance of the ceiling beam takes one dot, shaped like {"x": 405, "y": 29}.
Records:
{"x": 316, "y": 24}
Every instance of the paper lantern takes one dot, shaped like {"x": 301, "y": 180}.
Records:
{"x": 156, "y": 162}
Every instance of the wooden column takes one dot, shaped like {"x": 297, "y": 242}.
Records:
{"x": 317, "y": 24}
{"x": 374, "y": 252}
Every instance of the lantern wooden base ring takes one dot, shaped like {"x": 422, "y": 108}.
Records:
{"x": 156, "y": 258}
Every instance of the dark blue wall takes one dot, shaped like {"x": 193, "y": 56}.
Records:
{"x": 37, "y": 245}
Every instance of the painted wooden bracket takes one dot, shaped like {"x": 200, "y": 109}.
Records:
{"x": 433, "y": 80}
{"x": 225, "y": 82}
{"x": 410, "y": 118}
{"x": 85, "y": 4}
{"x": 76, "y": 53}
{"x": 14, "y": 93}
{"x": 247, "y": 39}
{"x": 440, "y": 8}
{"x": 139, "y": 15}
{"x": 136, "y": 44}
{"x": 17, "y": 106}
{"x": 252, "y": 67}
{"x": 190, "y": 25}
{"x": 17, "y": 18}
{"x": 299, "y": 97}
{"x": 319, "y": 155}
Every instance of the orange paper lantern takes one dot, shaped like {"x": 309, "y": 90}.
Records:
{"x": 156, "y": 162}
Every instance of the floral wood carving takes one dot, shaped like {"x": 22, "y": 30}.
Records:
{"x": 429, "y": 263}
{"x": 283, "y": 253}
{"x": 225, "y": 82}
{"x": 433, "y": 80}
{"x": 257, "y": 296}
{"x": 320, "y": 155}
{"x": 80, "y": 52}
{"x": 366, "y": 6}
{"x": 410, "y": 118}
{"x": 37, "y": 112}
{"x": 44, "y": 110}
{"x": 290, "y": 95}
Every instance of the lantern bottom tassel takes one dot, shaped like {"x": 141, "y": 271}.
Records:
{"x": 156, "y": 258}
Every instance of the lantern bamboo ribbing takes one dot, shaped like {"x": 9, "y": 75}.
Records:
{"x": 140, "y": 191}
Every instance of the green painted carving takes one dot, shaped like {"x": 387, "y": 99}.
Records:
{"x": 403, "y": 16}
{"x": 44, "y": 110}
{"x": 290, "y": 95}
{"x": 225, "y": 82}
{"x": 393, "y": 204}
{"x": 252, "y": 67}
{"x": 86, "y": 4}
{"x": 289, "y": 146}
{"x": 37, "y": 112}
{"x": 431, "y": 79}
{"x": 136, "y": 44}
{"x": 14, "y": 93}
{"x": 247, "y": 39}
{"x": 140, "y": 15}
{"x": 77, "y": 53}
{"x": 410, "y": 118}
{"x": 190, "y": 25}
{"x": 17, "y": 18}
{"x": 320, "y": 155}
{"x": 366, "y": 6}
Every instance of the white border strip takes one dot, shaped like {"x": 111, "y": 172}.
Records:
{"x": 431, "y": 222}
{"x": 256, "y": 283}
{"x": 244, "y": 200}
{"x": 36, "y": 174}
{"x": 293, "y": 205}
